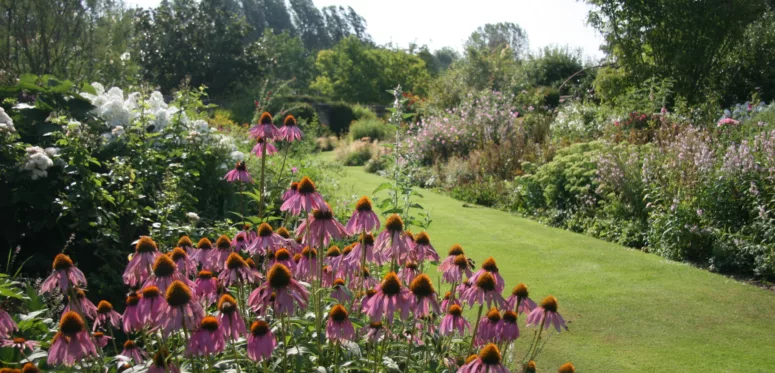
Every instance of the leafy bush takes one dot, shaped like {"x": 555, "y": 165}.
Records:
{"x": 357, "y": 153}
{"x": 373, "y": 129}
{"x": 363, "y": 113}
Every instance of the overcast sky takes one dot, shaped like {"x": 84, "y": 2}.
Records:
{"x": 440, "y": 23}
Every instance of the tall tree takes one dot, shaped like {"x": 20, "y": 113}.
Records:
{"x": 498, "y": 36}
{"x": 310, "y": 24}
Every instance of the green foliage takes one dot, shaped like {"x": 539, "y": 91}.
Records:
{"x": 374, "y": 129}
{"x": 357, "y": 153}
{"x": 363, "y": 112}
{"x": 551, "y": 67}
{"x": 503, "y": 37}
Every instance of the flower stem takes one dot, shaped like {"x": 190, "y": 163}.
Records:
{"x": 476, "y": 328}
{"x": 534, "y": 347}
{"x": 236, "y": 355}
{"x": 263, "y": 179}
{"x": 285, "y": 342}
{"x": 112, "y": 338}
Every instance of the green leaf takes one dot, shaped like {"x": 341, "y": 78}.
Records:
{"x": 382, "y": 187}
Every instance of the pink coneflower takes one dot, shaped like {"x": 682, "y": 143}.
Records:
{"x": 328, "y": 276}
{"x": 81, "y": 304}
{"x": 265, "y": 128}
{"x": 509, "y": 328}
{"x": 267, "y": 240}
{"x": 489, "y": 266}
{"x": 150, "y": 305}
{"x": 164, "y": 273}
{"x": 519, "y": 300}
{"x": 306, "y": 199}
{"x": 344, "y": 266}
{"x": 449, "y": 261}
{"x": 483, "y": 291}
{"x": 30, "y": 368}
{"x": 290, "y": 130}
{"x": 340, "y": 292}
{"x": 375, "y": 332}
{"x": 139, "y": 268}
{"x": 20, "y": 344}
{"x": 339, "y": 328}
{"x": 423, "y": 296}
{"x": 237, "y": 272}
{"x": 488, "y": 360}
{"x": 100, "y": 339}
{"x": 289, "y": 243}
{"x": 306, "y": 268}
{"x": 65, "y": 276}
{"x": 261, "y": 341}
{"x": 183, "y": 263}
{"x": 292, "y": 191}
{"x": 136, "y": 354}
{"x": 72, "y": 343}
{"x": 232, "y": 324}
{"x": 207, "y": 339}
{"x": 454, "y": 273}
{"x": 363, "y": 218}
{"x": 239, "y": 173}
{"x": 283, "y": 256}
{"x": 323, "y": 228}
{"x": 370, "y": 281}
{"x": 727, "y": 122}
{"x": 185, "y": 243}
{"x": 180, "y": 309}
{"x": 567, "y": 368}
{"x": 423, "y": 250}
{"x": 333, "y": 257}
{"x": 489, "y": 327}
{"x": 221, "y": 253}
{"x": 7, "y": 325}
{"x": 391, "y": 296}
{"x": 240, "y": 241}
{"x": 263, "y": 145}
{"x": 454, "y": 321}
{"x": 391, "y": 242}
{"x": 366, "y": 241}
{"x": 106, "y": 316}
{"x": 160, "y": 363}
{"x": 546, "y": 315}
{"x": 408, "y": 272}
{"x": 132, "y": 320}
{"x": 203, "y": 253}
{"x": 287, "y": 291}
{"x": 206, "y": 288}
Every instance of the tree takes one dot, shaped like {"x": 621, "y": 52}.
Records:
{"x": 288, "y": 59}
{"x": 310, "y": 24}
{"x": 682, "y": 40}
{"x": 499, "y": 36}
{"x": 551, "y": 66}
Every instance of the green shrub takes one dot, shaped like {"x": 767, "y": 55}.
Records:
{"x": 375, "y": 165}
{"x": 362, "y": 112}
{"x": 484, "y": 194}
{"x": 357, "y": 153}
{"x": 340, "y": 116}
{"x": 374, "y": 129}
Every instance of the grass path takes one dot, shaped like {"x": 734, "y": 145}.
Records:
{"x": 627, "y": 311}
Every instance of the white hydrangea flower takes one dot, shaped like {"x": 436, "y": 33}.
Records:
{"x": 192, "y": 216}
{"x": 118, "y": 131}
{"x": 237, "y": 156}
{"x": 99, "y": 88}
{"x": 6, "y": 123}
{"x": 38, "y": 161}
{"x": 125, "y": 56}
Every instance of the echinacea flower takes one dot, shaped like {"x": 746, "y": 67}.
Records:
{"x": 133, "y": 352}
{"x": 240, "y": 241}
{"x": 546, "y": 315}
{"x": 408, "y": 272}
{"x": 529, "y": 367}
{"x": 375, "y": 332}
{"x": 203, "y": 253}
{"x": 150, "y": 305}
{"x": 221, "y": 253}
{"x": 183, "y": 263}
{"x": 306, "y": 267}
{"x": 488, "y": 360}
{"x": 237, "y": 272}
{"x": 390, "y": 297}
{"x": 365, "y": 246}
{"x": 30, "y": 368}
{"x": 449, "y": 301}
{"x": 206, "y": 288}
{"x": 454, "y": 273}
{"x": 20, "y": 344}
{"x": 423, "y": 296}
{"x": 160, "y": 363}
{"x": 323, "y": 228}
{"x": 484, "y": 291}
{"x": 132, "y": 320}
{"x": 509, "y": 327}
{"x": 181, "y": 309}
{"x": 340, "y": 292}
{"x": 290, "y": 130}
{"x": 333, "y": 256}
{"x": 239, "y": 173}
{"x": 306, "y": 199}
{"x": 139, "y": 268}
{"x": 261, "y": 341}
{"x": 489, "y": 327}
{"x": 232, "y": 324}
{"x": 263, "y": 146}
{"x": 363, "y": 218}
{"x": 100, "y": 339}
{"x": 489, "y": 266}
{"x": 283, "y": 256}
{"x": 267, "y": 240}
{"x": 264, "y": 128}
{"x": 288, "y": 293}
{"x": 207, "y": 339}
{"x": 292, "y": 191}
{"x": 454, "y": 321}
{"x": 72, "y": 343}
{"x": 7, "y": 325}
{"x": 65, "y": 276}
{"x": 391, "y": 242}
{"x": 449, "y": 261}
{"x": 520, "y": 301}
{"x": 185, "y": 243}
{"x": 164, "y": 273}
{"x": 567, "y": 368}
{"x": 423, "y": 250}
{"x": 107, "y": 316}
{"x": 339, "y": 328}
{"x": 81, "y": 304}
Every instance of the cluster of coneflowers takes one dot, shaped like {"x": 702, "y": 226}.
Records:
{"x": 245, "y": 302}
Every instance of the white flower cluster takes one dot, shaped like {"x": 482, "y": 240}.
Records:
{"x": 6, "y": 123}
{"x": 118, "y": 111}
{"x": 39, "y": 160}
{"x": 192, "y": 215}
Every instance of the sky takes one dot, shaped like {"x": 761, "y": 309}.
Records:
{"x": 440, "y": 23}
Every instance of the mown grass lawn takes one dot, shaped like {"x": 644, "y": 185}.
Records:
{"x": 627, "y": 311}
